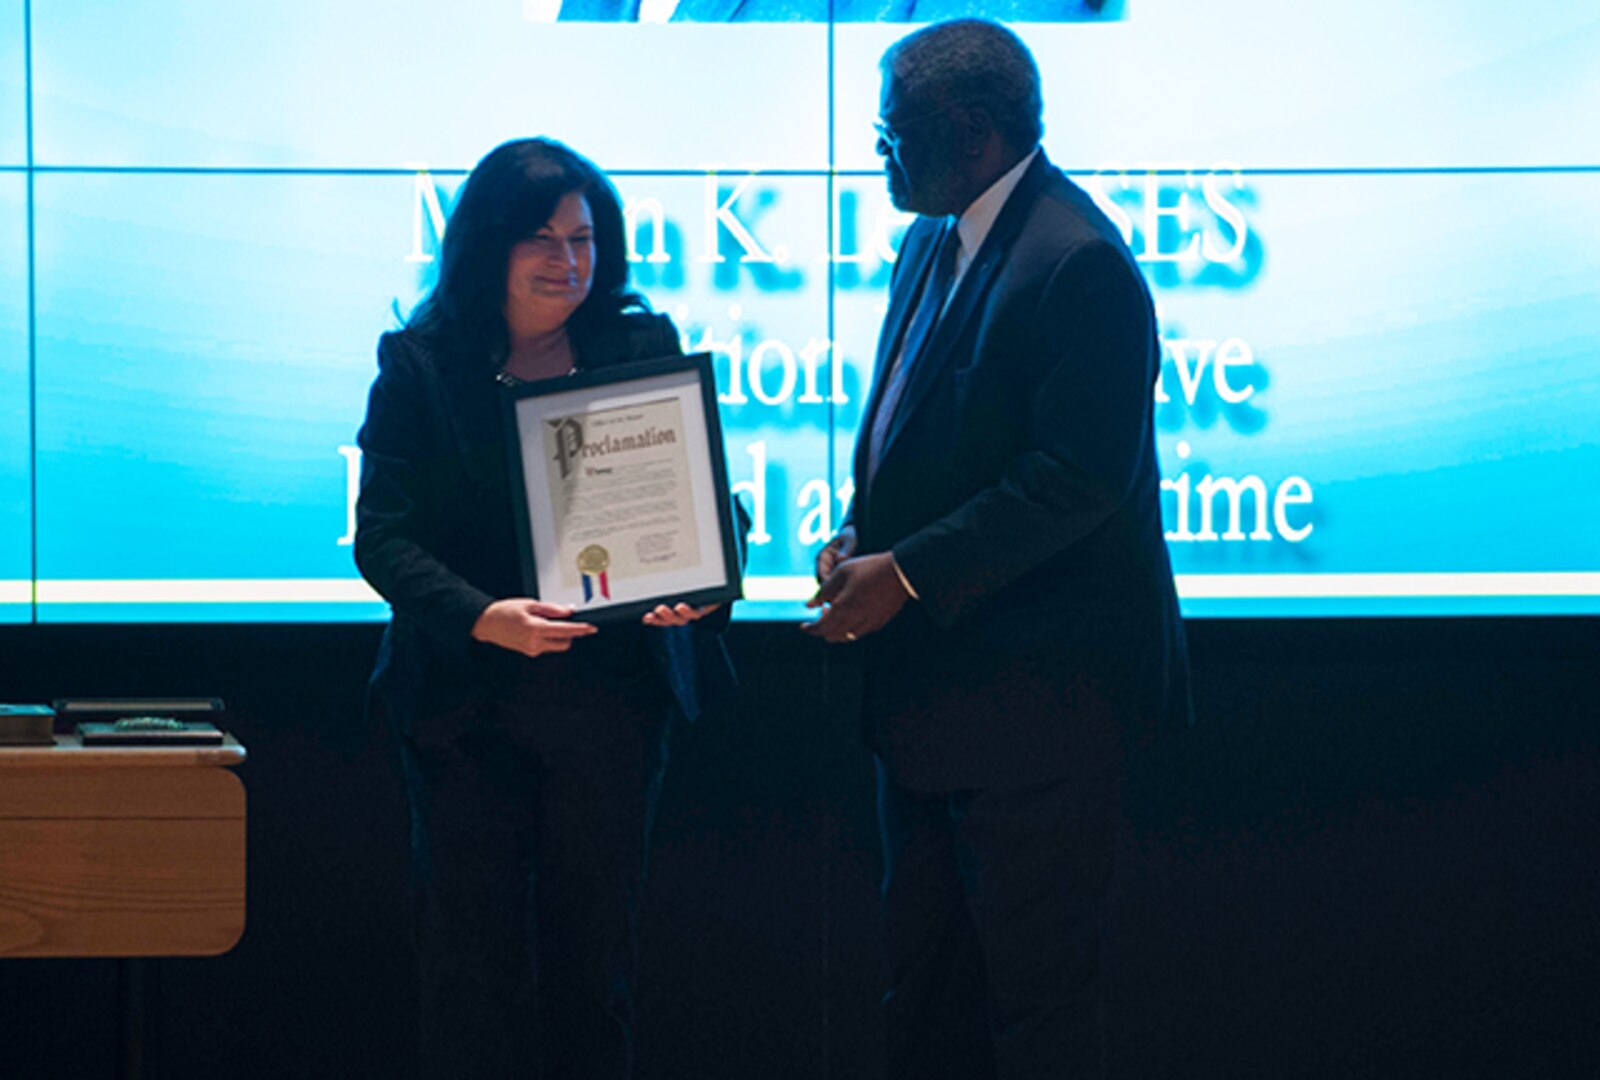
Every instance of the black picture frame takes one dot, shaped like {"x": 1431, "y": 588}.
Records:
{"x": 543, "y": 414}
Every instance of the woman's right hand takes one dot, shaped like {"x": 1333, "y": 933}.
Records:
{"x": 530, "y": 627}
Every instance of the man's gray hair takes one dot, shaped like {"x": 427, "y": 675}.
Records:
{"x": 972, "y": 62}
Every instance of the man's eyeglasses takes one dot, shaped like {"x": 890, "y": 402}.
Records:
{"x": 890, "y": 136}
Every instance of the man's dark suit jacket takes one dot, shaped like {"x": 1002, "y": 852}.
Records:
{"x": 435, "y": 533}
{"x": 1018, "y": 489}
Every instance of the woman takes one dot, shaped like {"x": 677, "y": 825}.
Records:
{"x": 532, "y": 745}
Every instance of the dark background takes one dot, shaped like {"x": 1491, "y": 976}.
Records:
{"x": 1375, "y": 857}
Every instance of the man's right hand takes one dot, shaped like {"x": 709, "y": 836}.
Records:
{"x": 836, "y": 551}
{"x": 530, "y": 627}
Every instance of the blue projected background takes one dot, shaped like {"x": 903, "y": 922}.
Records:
{"x": 1373, "y": 233}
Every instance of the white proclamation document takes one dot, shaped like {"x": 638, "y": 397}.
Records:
{"x": 621, "y": 495}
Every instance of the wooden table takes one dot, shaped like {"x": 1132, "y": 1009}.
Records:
{"x": 126, "y": 851}
{"x": 121, "y": 852}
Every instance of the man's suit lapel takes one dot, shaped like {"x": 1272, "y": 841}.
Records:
{"x": 907, "y": 288}
{"x": 969, "y": 296}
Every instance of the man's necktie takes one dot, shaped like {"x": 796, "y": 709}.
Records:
{"x": 929, "y": 305}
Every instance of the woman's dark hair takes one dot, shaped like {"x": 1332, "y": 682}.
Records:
{"x": 507, "y": 198}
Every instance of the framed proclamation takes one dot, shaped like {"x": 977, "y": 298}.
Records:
{"x": 621, "y": 489}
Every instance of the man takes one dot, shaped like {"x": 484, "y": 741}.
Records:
{"x": 1002, "y": 572}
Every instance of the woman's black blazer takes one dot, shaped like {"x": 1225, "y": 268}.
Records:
{"x": 435, "y": 534}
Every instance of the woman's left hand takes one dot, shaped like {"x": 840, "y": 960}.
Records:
{"x": 677, "y": 615}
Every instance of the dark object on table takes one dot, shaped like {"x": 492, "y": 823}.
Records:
{"x": 27, "y": 725}
{"x": 149, "y": 731}
{"x": 114, "y": 708}
{"x": 153, "y": 721}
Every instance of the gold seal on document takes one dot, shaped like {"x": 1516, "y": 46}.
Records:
{"x": 593, "y": 559}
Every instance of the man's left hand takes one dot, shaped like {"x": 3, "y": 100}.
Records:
{"x": 859, "y": 597}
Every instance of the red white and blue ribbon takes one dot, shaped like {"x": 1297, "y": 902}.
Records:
{"x": 596, "y": 582}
